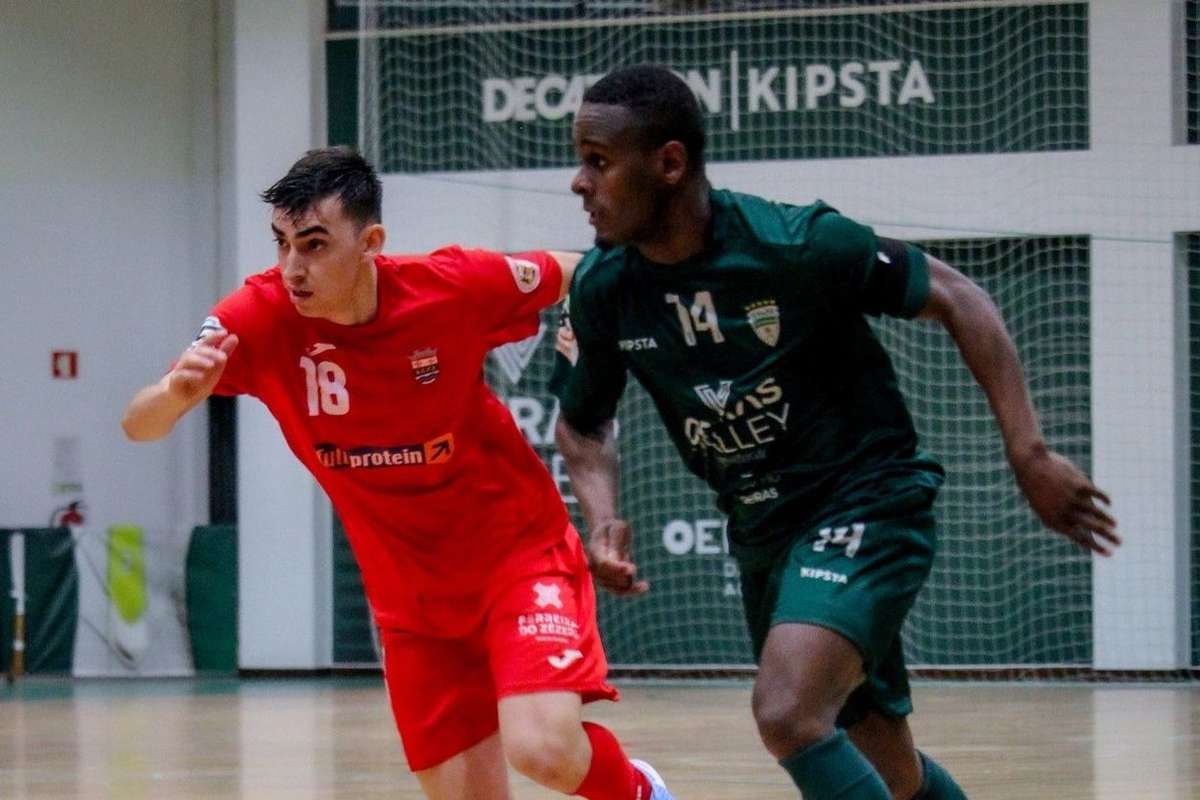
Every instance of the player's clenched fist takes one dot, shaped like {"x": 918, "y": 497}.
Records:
{"x": 199, "y": 368}
{"x": 154, "y": 410}
{"x": 610, "y": 561}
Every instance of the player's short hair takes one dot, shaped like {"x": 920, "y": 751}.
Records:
{"x": 328, "y": 171}
{"x": 662, "y": 102}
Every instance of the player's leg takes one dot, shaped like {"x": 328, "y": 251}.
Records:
{"x": 444, "y": 703}
{"x": 805, "y": 674}
{"x": 477, "y": 773}
{"x": 833, "y": 608}
{"x": 888, "y": 743}
{"x": 547, "y": 660}
{"x": 544, "y": 740}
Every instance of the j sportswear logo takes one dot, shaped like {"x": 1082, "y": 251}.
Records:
{"x": 565, "y": 660}
{"x": 320, "y": 347}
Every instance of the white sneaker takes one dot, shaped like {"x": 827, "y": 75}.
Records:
{"x": 658, "y": 788}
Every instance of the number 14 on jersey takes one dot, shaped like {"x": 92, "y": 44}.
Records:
{"x": 699, "y": 317}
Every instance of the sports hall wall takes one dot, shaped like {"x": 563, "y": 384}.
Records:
{"x": 108, "y": 201}
{"x": 135, "y": 137}
{"x": 135, "y": 141}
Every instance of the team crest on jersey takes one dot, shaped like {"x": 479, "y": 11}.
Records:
{"x": 764, "y": 319}
{"x": 425, "y": 365}
{"x": 527, "y": 274}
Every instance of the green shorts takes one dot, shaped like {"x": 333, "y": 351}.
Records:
{"x": 858, "y": 579}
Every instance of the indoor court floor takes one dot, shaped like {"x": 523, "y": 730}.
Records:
{"x": 333, "y": 738}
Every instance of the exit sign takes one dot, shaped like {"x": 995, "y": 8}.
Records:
{"x": 64, "y": 364}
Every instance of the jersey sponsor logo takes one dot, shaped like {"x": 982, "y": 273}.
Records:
{"x": 548, "y": 625}
{"x": 643, "y": 343}
{"x": 435, "y": 451}
{"x": 745, "y": 427}
{"x": 565, "y": 660}
{"x": 764, "y": 321}
{"x": 320, "y": 347}
{"x": 527, "y": 274}
{"x": 714, "y": 397}
{"x": 761, "y": 496}
{"x": 823, "y": 575}
{"x": 210, "y": 325}
{"x": 425, "y": 365}
{"x": 514, "y": 357}
{"x": 547, "y": 595}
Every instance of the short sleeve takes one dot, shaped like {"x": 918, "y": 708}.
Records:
{"x": 589, "y": 373}
{"x": 870, "y": 274}
{"x": 508, "y": 292}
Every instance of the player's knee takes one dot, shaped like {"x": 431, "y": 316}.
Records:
{"x": 541, "y": 756}
{"x": 787, "y": 723}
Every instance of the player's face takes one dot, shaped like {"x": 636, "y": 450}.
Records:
{"x": 618, "y": 178}
{"x": 324, "y": 256}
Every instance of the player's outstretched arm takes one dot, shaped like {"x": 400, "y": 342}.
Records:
{"x": 567, "y": 262}
{"x": 591, "y": 461}
{"x": 1060, "y": 494}
{"x": 154, "y": 410}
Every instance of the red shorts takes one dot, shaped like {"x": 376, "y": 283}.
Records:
{"x": 538, "y": 634}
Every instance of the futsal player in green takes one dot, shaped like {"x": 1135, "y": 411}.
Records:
{"x": 746, "y": 322}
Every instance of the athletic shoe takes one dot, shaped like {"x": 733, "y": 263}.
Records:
{"x": 658, "y": 787}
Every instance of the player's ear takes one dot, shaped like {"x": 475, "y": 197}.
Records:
{"x": 673, "y": 161}
{"x": 373, "y": 237}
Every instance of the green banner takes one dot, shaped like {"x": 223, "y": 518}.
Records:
{"x": 1192, "y": 54}
{"x": 211, "y": 579}
{"x": 1190, "y": 245}
{"x": 797, "y": 85}
{"x": 50, "y": 587}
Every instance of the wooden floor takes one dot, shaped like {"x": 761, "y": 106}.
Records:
{"x": 334, "y": 739}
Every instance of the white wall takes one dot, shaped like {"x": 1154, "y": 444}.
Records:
{"x": 271, "y": 114}
{"x": 107, "y": 220}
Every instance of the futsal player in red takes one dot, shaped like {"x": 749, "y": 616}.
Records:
{"x": 372, "y": 364}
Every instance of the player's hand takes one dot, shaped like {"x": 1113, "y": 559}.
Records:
{"x": 201, "y": 365}
{"x": 1066, "y": 500}
{"x": 610, "y": 561}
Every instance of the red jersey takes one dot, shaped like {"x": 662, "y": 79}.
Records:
{"x": 433, "y": 482}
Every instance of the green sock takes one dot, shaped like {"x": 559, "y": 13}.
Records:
{"x": 937, "y": 784}
{"x": 834, "y": 769}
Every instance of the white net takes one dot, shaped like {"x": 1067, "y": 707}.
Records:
{"x": 1035, "y": 176}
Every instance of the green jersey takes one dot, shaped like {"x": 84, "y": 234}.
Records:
{"x": 758, "y": 355}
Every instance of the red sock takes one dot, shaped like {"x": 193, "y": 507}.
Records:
{"x": 610, "y": 776}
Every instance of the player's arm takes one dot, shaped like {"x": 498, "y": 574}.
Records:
{"x": 1061, "y": 495}
{"x": 154, "y": 410}
{"x": 566, "y": 263}
{"x": 592, "y": 463}
{"x": 588, "y": 380}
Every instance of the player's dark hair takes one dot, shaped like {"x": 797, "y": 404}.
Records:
{"x": 662, "y": 102}
{"x": 325, "y": 172}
